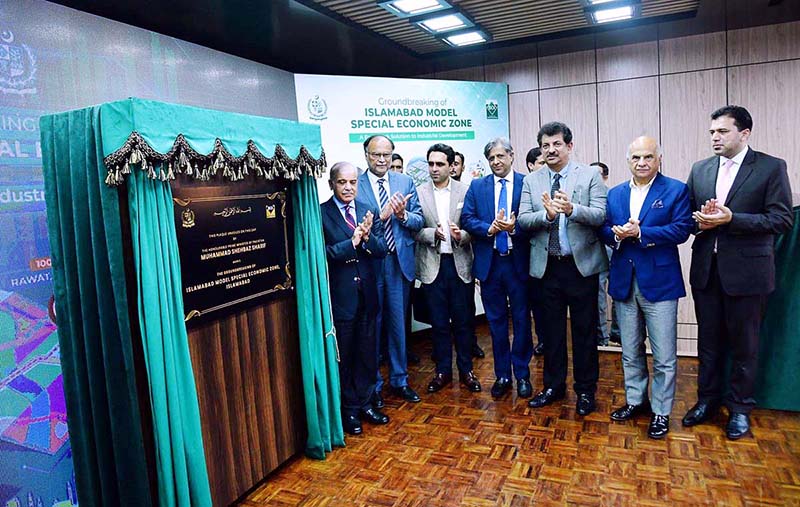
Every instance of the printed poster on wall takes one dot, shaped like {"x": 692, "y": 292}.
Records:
{"x": 414, "y": 113}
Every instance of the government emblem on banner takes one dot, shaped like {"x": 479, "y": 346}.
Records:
{"x": 271, "y": 211}
{"x": 187, "y": 218}
{"x": 17, "y": 66}
{"x": 317, "y": 108}
{"x": 492, "y": 109}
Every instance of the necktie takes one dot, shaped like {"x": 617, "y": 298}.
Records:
{"x": 501, "y": 242}
{"x": 724, "y": 181}
{"x": 351, "y": 222}
{"x": 553, "y": 244}
{"x": 387, "y": 229}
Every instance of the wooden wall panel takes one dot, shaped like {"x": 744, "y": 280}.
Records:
{"x": 520, "y": 75}
{"x": 628, "y": 61}
{"x": 696, "y": 52}
{"x": 249, "y": 386}
{"x": 626, "y": 110}
{"x": 577, "y": 107}
{"x": 764, "y": 43}
{"x": 687, "y": 100}
{"x": 568, "y": 69}
{"x": 466, "y": 74}
{"x": 524, "y": 125}
{"x": 770, "y": 92}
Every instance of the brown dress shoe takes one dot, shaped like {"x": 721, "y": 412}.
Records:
{"x": 439, "y": 381}
{"x": 470, "y": 381}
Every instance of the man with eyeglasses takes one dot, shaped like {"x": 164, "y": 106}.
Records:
{"x": 396, "y": 198}
{"x": 563, "y": 204}
{"x": 501, "y": 264}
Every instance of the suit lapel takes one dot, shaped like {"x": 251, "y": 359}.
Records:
{"x": 365, "y": 190}
{"x": 517, "y": 192}
{"x": 572, "y": 180}
{"x": 427, "y": 200}
{"x": 655, "y": 193}
{"x": 625, "y": 202}
{"x": 711, "y": 178}
{"x": 336, "y": 217}
{"x": 744, "y": 172}
{"x": 455, "y": 196}
{"x": 488, "y": 196}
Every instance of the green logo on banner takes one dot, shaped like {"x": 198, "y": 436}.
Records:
{"x": 492, "y": 109}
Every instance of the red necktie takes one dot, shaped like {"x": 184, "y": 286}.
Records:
{"x": 351, "y": 222}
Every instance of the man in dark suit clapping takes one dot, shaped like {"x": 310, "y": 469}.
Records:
{"x": 353, "y": 236}
{"x": 741, "y": 199}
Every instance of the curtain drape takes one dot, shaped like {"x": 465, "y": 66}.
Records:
{"x": 318, "y": 351}
{"x": 182, "y": 475}
{"x": 779, "y": 353}
{"x": 92, "y": 307}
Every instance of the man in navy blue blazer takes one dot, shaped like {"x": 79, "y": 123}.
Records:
{"x": 647, "y": 218}
{"x": 353, "y": 237}
{"x": 501, "y": 260}
{"x": 396, "y": 198}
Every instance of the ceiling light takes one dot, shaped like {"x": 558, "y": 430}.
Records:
{"x": 466, "y": 38}
{"x": 615, "y": 14}
{"x": 446, "y": 23}
{"x": 406, "y": 8}
{"x": 595, "y": 2}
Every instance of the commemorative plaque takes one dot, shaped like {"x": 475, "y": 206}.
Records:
{"x": 234, "y": 249}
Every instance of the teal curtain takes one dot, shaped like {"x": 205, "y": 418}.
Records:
{"x": 91, "y": 303}
{"x": 778, "y": 381}
{"x": 181, "y": 465}
{"x": 318, "y": 351}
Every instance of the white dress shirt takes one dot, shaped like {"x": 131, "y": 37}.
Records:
{"x": 442, "y": 198}
{"x": 638, "y": 195}
{"x": 509, "y": 194}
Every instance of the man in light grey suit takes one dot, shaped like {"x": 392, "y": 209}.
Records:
{"x": 562, "y": 206}
{"x": 444, "y": 266}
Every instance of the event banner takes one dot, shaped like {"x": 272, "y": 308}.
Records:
{"x": 414, "y": 113}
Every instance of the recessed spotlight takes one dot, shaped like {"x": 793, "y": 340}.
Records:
{"x": 608, "y": 11}
{"x": 615, "y": 14}
{"x": 466, "y": 38}
{"x": 407, "y": 8}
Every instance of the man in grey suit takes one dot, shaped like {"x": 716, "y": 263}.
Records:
{"x": 741, "y": 200}
{"x": 562, "y": 206}
{"x": 444, "y": 266}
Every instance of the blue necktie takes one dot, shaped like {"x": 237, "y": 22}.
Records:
{"x": 387, "y": 229}
{"x": 501, "y": 241}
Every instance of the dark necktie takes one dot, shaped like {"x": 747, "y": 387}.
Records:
{"x": 554, "y": 245}
{"x": 502, "y": 202}
{"x": 351, "y": 222}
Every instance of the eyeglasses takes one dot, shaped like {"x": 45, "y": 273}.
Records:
{"x": 378, "y": 156}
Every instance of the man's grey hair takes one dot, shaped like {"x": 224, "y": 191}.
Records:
{"x": 628, "y": 152}
{"x": 336, "y": 168}
{"x": 497, "y": 141}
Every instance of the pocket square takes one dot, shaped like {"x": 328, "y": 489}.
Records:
{"x": 658, "y": 203}
{"x": 459, "y": 205}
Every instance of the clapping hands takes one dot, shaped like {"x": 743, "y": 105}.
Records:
{"x": 712, "y": 214}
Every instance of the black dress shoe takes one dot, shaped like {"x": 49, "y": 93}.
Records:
{"x": 377, "y": 400}
{"x": 439, "y": 381}
{"x": 406, "y": 393}
{"x": 699, "y": 413}
{"x": 524, "y": 388}
{"x": 538, "y": 350}
{"x": 351, "y": 425}
{"x": 626, "y": 412}
{"x": 501, "y": 386}
{"x": 470, "y": 381}
{"x": 477, "y": 351}
{"x": 615, "y": 338}
{"x": 659, "y": 426}
{"x": 546, "y": 397}
{"x": 738, "y": 425}
{"x": 585, "y": 404}
{"x": 373, "y": 416}
{"x": 411, "y": 357}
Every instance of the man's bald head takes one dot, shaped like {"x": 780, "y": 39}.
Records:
{"x": 644, "y": 159}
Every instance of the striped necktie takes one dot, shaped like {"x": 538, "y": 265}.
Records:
{"x": 554, "y": 245}
{"x": 387, "y": 229}
{"x": 351, "y": 222}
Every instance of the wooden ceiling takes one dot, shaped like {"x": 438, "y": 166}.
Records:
{"x": 505, "y": 20}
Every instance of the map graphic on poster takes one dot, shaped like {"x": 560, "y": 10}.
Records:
{"x": 414, "y": 113}
{"x": 54, "y": 59}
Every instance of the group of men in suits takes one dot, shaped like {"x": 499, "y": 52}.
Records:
{"x": 549, "y": 230}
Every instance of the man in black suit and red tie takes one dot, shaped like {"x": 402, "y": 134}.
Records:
{"x": 741, "y": 200}
{"x": 353, "y": 237}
